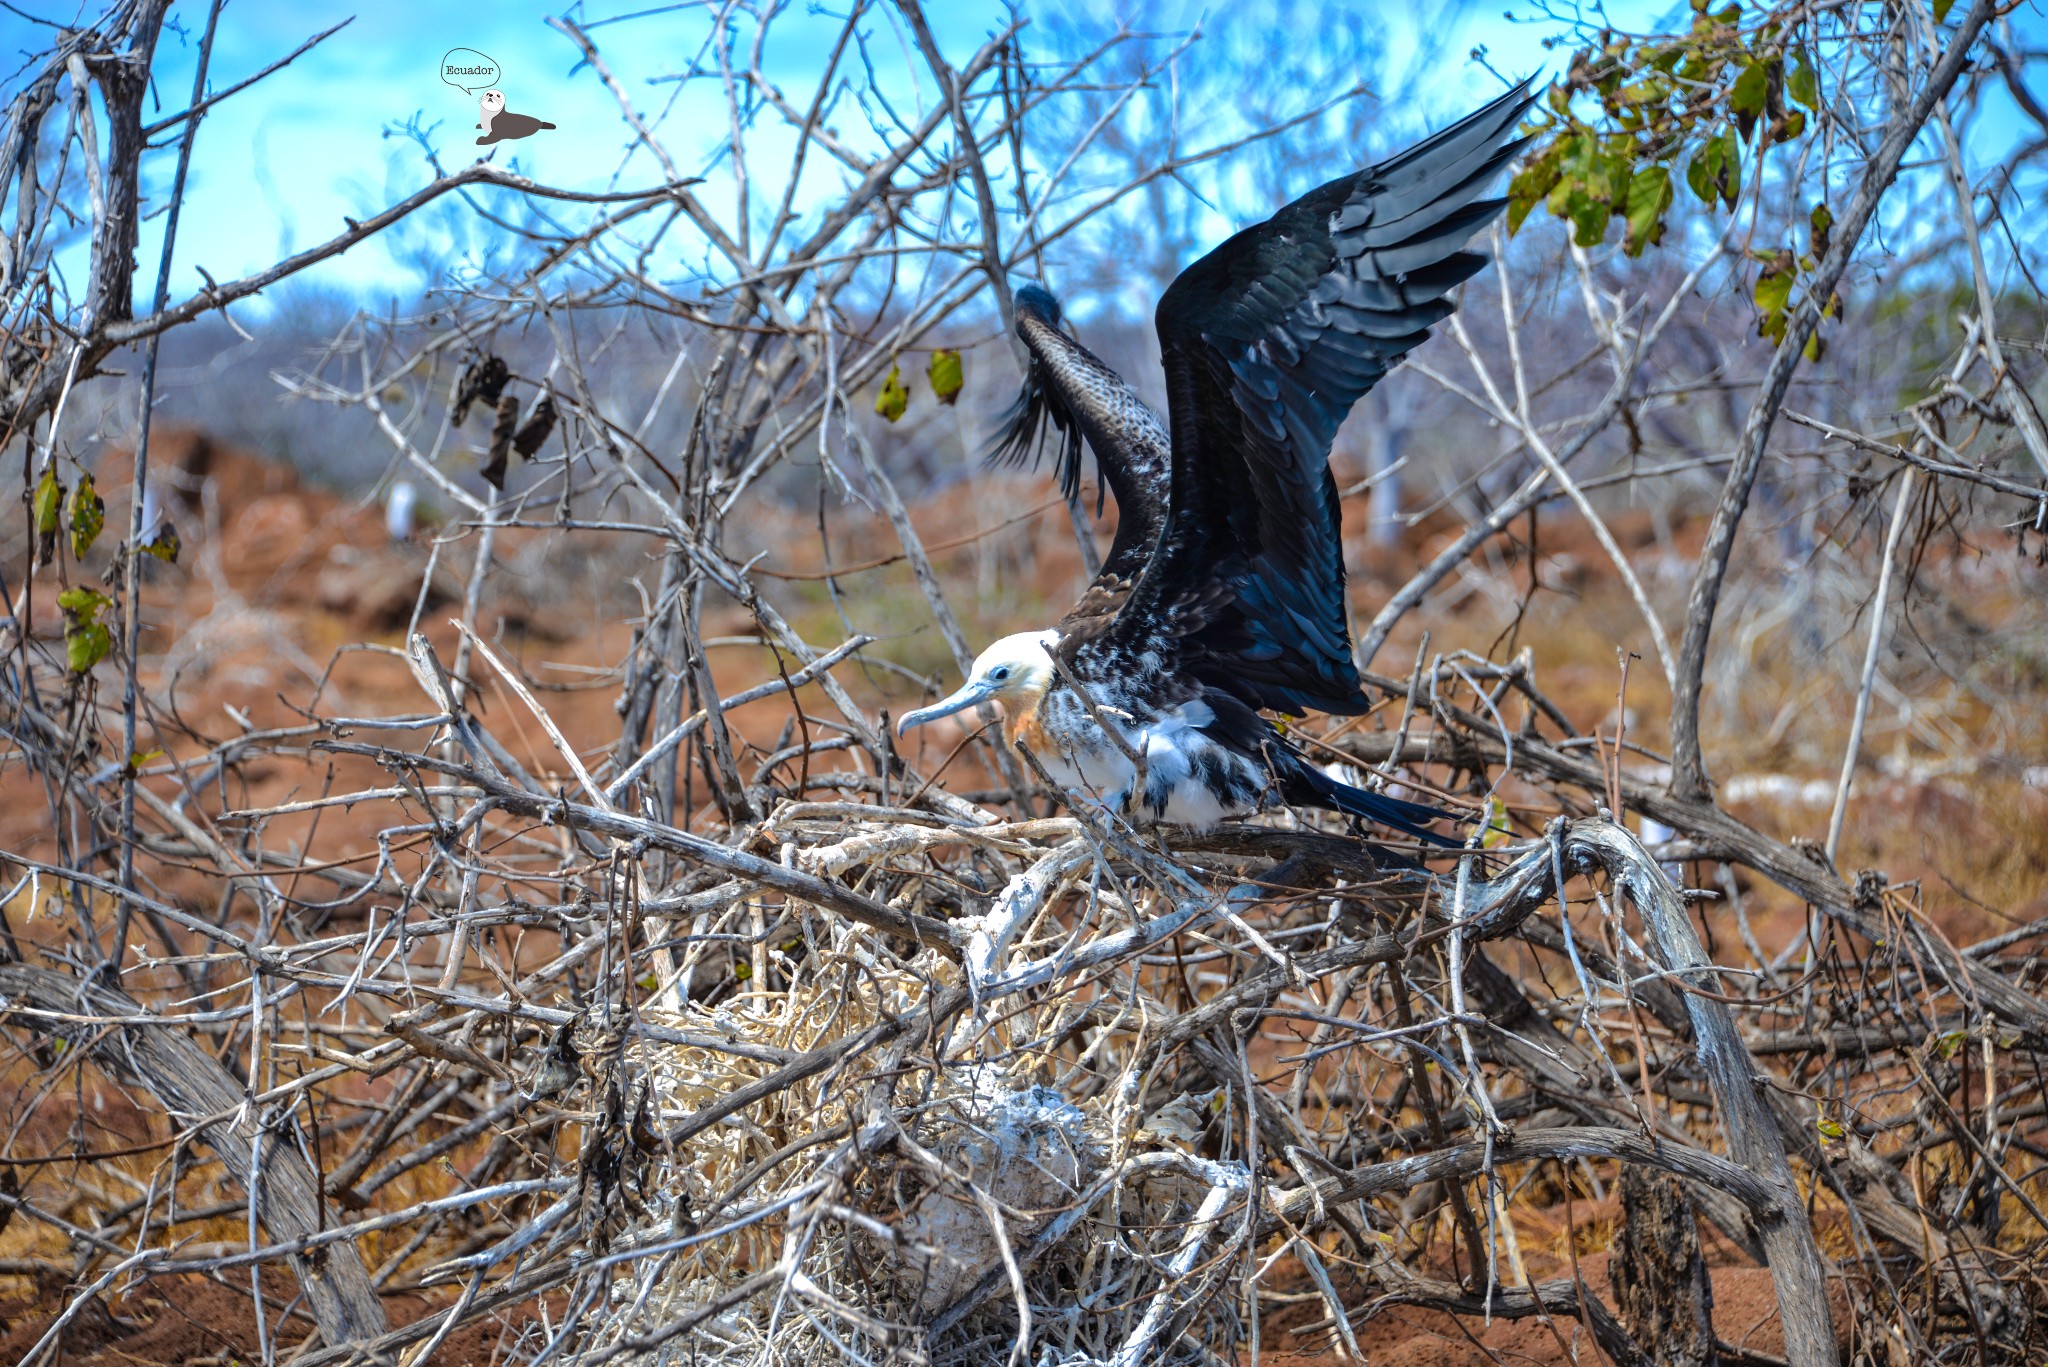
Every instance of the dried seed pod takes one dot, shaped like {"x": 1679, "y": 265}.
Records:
{"x": 558, "y": 1069}
{"x": 535, "y": 429}
{"x": 484, "y": 379}
{"x": 501, "y": 440}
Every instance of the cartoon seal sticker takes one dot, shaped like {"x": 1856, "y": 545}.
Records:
{"x": 501, "y": 125}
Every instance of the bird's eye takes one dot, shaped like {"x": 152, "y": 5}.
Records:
{"x": 1000, "y": 672}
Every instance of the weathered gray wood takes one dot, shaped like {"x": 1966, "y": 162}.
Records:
{"x": 1661, "y": 1290}
{"x": 1797, "y": 1271}
{"x": 1720, "y": 836}
{"x": 117, "y": 1033}
{"x": 1298, "y": 1206}
{"x": 1543, "y": 1051}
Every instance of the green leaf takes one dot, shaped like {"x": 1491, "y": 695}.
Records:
{"x": 1773, "y": 291}
{"x": 1531, "y": 184}
{"x": 1746, "y": 96}
{"x": 1611, "y": 172}
{"x": 1773, "y": 294}
{"x": 1575, "y": 158}
{"x": 1703, "y": 172}
{"x": 1498, "y": 832}
{"x": 1803, "y": 85}
{"x": 49, "y": 499}
{"x": 1820, "y": 221}
{"x": 1518, "y": 211}
{"x": 1941, "y": 9}
{"x": 1731, "y": 167}
{"x": 894, "y": 398}
{"x": 1649, "y": 195}
{"x": 1559, "y": 200}
{"x": 945, "y": 375}
{"x": 1589, "y": 216}
{"x": 88, "y": 515}
{"x": 86, "y": 639}
{"x": 165, "y": 544}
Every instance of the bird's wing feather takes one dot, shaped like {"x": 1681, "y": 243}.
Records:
{"x": 1267, "y": 342}
{"x": 1068, "y": 390}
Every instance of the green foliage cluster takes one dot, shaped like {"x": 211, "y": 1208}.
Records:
{"x": 1613, "y": 134}
{"x": 1636, "y": 116}
{"x": 87, "y": 637}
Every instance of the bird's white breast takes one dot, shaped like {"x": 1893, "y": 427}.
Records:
{"x": 1176, "y": 753}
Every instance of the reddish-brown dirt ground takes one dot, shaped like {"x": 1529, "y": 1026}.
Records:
{"x": 193, "y": 1322}
{"x": 1745, "y": 1316}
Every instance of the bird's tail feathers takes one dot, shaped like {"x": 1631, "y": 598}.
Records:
{"x": 1409, "y": 818}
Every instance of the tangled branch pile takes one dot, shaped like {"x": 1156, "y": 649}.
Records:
{"x": 901, "y": 1079}
{"x": 454, "y": 1017}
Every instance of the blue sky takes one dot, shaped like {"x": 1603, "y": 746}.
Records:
{"x": 279, "y": 165}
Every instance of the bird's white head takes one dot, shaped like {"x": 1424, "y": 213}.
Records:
{"x": 493, "y": 101}
{"x": 1015, "y": 671}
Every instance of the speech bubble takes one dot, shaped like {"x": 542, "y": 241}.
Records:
{"x": 469, "y": 70}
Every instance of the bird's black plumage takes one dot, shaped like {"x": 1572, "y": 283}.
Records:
{"x": 1267, "y": 342}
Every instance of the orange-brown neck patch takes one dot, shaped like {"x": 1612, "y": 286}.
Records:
{"x": 1020, "y": 717}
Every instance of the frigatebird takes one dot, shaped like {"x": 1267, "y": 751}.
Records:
{"x": 1223, "y": 592}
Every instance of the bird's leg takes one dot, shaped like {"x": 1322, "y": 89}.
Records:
{"x": 1122, "y": 802}
{"x": 1272, "y": 796}
{"x": 1119, "y": 802}
{"x": 1109, "y": 804}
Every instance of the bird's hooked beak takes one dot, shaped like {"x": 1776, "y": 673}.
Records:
{"x": 970, "y": 693}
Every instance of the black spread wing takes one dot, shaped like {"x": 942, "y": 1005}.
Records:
{"x": 1070, "y": 395}
{"x": 1267, "y": 342}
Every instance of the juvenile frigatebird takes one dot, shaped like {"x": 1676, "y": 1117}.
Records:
{"x": 1223, "y": 592}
